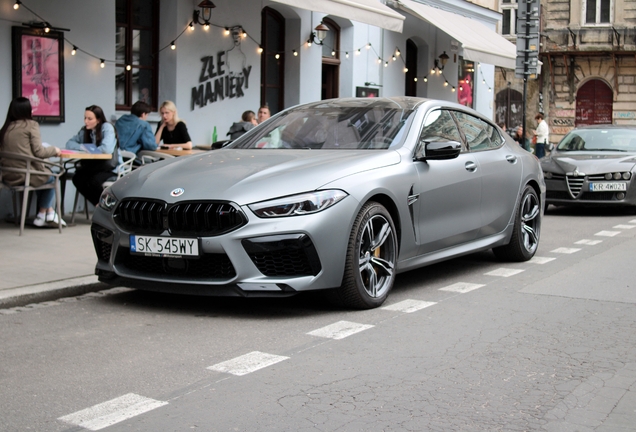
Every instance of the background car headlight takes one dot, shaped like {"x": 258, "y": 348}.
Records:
{"x": 297, "y": 205}
{"x": 107, "y": 200}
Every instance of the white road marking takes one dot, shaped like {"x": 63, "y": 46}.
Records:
{"x": 339, "y": 330}
{"x": 607, "y": 233}
{"x": 462, "y": 287}
{"x": 114, "y": 411}
{"x": 541, "y": 260}
{"x": 503, "y": 272}
{"x": 408, "y": 306}
{"x": 624, "y": 226}
{"x": 247, "y": 363}
{"x": 563, "y": 250}
{"x": 589, "y": 242}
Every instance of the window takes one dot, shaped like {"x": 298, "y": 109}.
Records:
{"x": 597, "y": 11}
{"x": 136, "y": 64}
{"x": 273, "y": 68}
{"x": 479, "y": 134}
{"x": 439, "y": 127}
{"x": 509, "y": 17}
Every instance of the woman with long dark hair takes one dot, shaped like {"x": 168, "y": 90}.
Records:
{"x": 21, "y": 134}
{"x": 90, "y": 175}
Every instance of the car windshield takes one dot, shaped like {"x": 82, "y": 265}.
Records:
{"x": 610, "y": 139}
{"x": 326, "y": 126}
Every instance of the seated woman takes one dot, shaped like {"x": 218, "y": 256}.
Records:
{"x": 248, "y": 121}
{"x": 91, "y": 174}
{"x": 21, "y": 134}
{"x": 172, "y": 131}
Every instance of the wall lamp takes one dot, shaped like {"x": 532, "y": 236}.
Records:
{"x": 202, "y": 16}
{"x": 441, "y": 62}
{"x": 318, "y": 35}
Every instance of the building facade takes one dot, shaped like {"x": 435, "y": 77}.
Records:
{"x": 217, "y": 63}
{"x": 588, "y": 50}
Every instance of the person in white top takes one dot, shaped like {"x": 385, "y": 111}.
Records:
{"x": 542, "y": 132}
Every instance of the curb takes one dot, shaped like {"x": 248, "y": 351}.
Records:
{"x": 49, "y": 291}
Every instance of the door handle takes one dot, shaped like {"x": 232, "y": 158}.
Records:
{"x": 470, "y": 166}
{"x": 511, "y": 158}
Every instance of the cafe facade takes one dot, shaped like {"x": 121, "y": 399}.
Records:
{"x": 217, "y": 62}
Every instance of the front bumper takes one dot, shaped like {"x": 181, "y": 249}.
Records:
{"x": 264, "y": 257}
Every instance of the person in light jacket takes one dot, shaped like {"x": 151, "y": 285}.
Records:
{"x": 542, "y": 132}
{"x": 21, "y": 134}
{"x": 91, "y": 174}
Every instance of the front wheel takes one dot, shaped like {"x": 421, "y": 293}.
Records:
{"x": 525, "y": 236}
{"x": 371, "y": 260}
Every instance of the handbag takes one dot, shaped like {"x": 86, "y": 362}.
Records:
{"x": 534, "y": 139}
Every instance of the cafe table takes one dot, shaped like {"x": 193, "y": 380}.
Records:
{"x": 69, "y": 158}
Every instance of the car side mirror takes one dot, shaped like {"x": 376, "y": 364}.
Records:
{"x": 438, "y": 150}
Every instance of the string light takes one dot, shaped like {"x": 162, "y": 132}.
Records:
{"x": 260, "y": 49}
{"x": 227, "y": 31}
{"x": 358, "y": 52}
{"x": 379, "y": 60}
{"x": 397, "y": 53}
{"x": 406, "y": 70}
{"x": 173, "y": 46}
{"x": 415, "y": 79}
{"x": 102, "y": 64}
{"x": 333, "y": 53}
{"x": 369, "y": 45}
{"x": 17, "y": 4}
{"x": 74, "y": 50}
{"x": 386, "y": 64}
{"x": 128, "y": 67}
{"x": 277, "y": 56}
{"x": 244, "y": 34}
{"x": 206, "y": 26}
{"x": 394, "y": 57}
{"x": 295, "y": 53}
{"x": 453, "y": 89}
{"x": 347, "y": 54}
{"x": 191, "y": 26}
{"x": 308, "y": 42}
{"x": 445, "y": 83}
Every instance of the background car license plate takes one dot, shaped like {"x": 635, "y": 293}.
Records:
{"x": 608, "y": 186}
{"x": 164, "y": 246}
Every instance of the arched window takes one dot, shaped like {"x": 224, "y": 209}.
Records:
{"x": 509, "y": 108}
{"x": 331, "y": 61}
{"x": 272, "y": 68}
{"x": 594, "y": 103}
{"x": 410, "y": 85}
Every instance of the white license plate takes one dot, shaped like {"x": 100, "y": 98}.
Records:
{"x": 164, "y": 246}
{"x": 608, "y": 186}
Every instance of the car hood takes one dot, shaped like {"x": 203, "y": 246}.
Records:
{"x": 246, "y": 176}
{"x": 588, "y": 162}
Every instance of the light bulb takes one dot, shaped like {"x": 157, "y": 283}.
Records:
{"x": 425, "y": 79}
{"x": 433, "y": 70}
{"x": 368, "y": 46}
{"x": 102, "y": 64}
{"x": 347, "y": 54}
{"x": 358, "y": 52}
{"x": 445, "y": 83}
{"x": 74, "y": 50}
{"x": 386, "y": 64}
{"x": 128, "y": 67}
{"x": 333, "y": 53}
{"x": 406, "y": 70}
{"x": 173, "y": 46}
{"x": 227, "y": 31}
{"x": 295, "y": 53}
{"x": 277, "y": 56}
{"x": 260, "y": 49}
{"x": 415, "y": 79}
{"x": 191, "y": 26}
{"x": 17, "y": 4}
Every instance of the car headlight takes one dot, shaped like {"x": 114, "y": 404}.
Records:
{"x": 107, "y": 200}
{"x": 297, "y": 205}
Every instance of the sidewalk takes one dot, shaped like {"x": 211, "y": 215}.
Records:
{"x": 43, "y": 264}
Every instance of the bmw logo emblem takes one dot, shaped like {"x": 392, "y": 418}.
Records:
{"x": 177, "y": 192}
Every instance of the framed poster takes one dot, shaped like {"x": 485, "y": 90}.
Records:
{"x": 38, "y": 71}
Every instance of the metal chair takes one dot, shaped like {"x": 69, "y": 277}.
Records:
{"x": 25, "y": 188}
{"x": 149, "y": 156}
{"x": 125, "y": 168}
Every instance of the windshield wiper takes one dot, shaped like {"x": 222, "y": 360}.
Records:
{"x": 605, "y": 149}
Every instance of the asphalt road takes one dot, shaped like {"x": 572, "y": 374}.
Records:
{"x": 468, "y": 345}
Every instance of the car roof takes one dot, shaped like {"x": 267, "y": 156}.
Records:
{"x": 603, "y": 126}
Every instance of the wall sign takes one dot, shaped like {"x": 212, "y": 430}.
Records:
{"x": 224, "y": 75}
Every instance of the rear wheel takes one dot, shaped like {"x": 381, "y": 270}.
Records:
{"x": 371, "y": 260}
{"x": 525, "y": 236}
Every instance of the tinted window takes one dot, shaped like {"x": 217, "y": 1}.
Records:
{"x": 479, "y": 134}
{"x": 439, "y": 126}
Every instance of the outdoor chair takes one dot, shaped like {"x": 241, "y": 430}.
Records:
{"x": 23, "y": 190}
{"x": 123, "y": 169}
{"x": 149, "y": 156}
